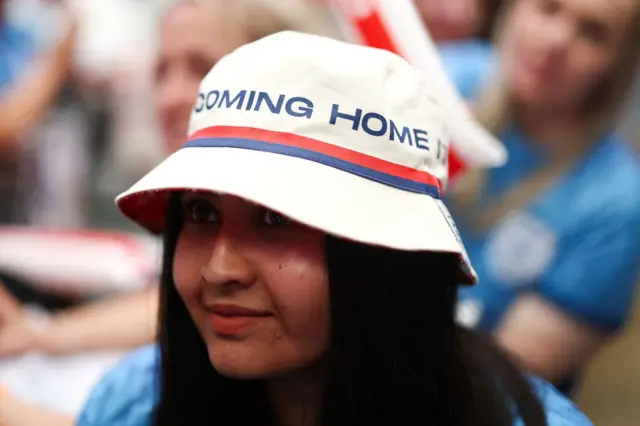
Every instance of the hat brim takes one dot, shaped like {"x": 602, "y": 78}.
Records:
{"x": 314, "y": 194}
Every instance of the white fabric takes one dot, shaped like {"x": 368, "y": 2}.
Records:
{"x": 58, "y": 383}
{"x": 328, "y": 74}
{"x": 392, "y": 218}
{"x": 76, "y": 262}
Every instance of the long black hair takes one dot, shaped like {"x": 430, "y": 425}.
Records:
{"x": 396, "y": 356}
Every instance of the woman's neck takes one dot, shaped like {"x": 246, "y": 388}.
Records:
{"x": 295, "y": 400}
{"x": 557, "y": 130}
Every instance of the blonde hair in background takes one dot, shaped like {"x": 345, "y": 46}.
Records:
{"x": 241, "y": 22}
{"x": 246, "y": 21}
{"x": 493, "y": 109}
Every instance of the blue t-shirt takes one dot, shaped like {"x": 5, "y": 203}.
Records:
{"x": 127, "y": 395}
{"x": 17, "y": 47}
{"x": 577, "y": 244}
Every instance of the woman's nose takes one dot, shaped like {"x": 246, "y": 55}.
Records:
{"x": 175, "y": 93}
{"x": 228, "y": 263}
{"x": 175, "y": 97}
{"x": 558, "y": 35}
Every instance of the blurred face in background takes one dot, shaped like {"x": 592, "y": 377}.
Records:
{"x": 556, "y": 52}
{"x": 452, "y": 19}
{"x": 193, "y": 38}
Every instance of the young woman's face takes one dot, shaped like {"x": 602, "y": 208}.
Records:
{"x": 557, "y": 51}
{"x": 192, "y": 40}
{"x": 255, "y": 285}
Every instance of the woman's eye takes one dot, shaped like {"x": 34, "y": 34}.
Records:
{"x": 549, "y": 7}
{"x": 594, "y": 32}
{"x": 200, "y": 211}
{"x": 271, "y": 218}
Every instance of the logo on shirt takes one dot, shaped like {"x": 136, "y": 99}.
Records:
{"x": 520, "y": 250}
{"x": 469, "y": 313}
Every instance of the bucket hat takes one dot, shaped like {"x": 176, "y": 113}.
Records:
{"x": 343, "y": 138}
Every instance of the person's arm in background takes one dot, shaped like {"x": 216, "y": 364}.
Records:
{"x": 556, "y": 330}
{"x": 28, "y": 98}
{"x": 14, "y": 412}
{"x": 124, "y": 321}
{"x": 121, "y": 322}
{"x": 545, "y": 340}
{"x": 9, "y": 306}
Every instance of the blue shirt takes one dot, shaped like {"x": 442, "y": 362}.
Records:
{"x": 16, "y": 50}
{"x": 128, "y": 394}
{"x": 576, "y": 245}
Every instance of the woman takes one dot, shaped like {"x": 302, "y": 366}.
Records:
{"x": 554, "y": 232}
{"x": 298, "y": 227}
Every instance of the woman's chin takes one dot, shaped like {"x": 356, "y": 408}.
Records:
{"x": 239, "y": 372}
{"x": 242, "y": 366}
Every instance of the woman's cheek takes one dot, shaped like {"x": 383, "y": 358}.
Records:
{"x": 300, "y": 289}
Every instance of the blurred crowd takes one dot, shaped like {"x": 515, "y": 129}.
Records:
{"x": 93, "y": 93}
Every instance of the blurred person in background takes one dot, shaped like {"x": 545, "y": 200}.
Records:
{"x": 30, "y": 81}
{"x": 554, "y": 233}
{"x": 15, "y": 412}
{"x": 451, "y": 20}
{"x": 630, "y": 125}
{"x": 194, "y": 35}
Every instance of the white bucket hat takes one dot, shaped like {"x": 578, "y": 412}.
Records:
{"x": 343, "y": 138}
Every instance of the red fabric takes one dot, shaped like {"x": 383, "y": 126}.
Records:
{"x": 375, "y": 34}
{"x": 456, "y": 165}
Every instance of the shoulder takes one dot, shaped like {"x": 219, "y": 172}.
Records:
{"x": 16, "y": 39}
{"x": 467, "y": 64}
{"x": 611, "y": 175}
{"x": 16, "y": 49}
{"x": 621, "y": 164}
{"x": 560, "y": 410}
{"x": 127, "y": 394}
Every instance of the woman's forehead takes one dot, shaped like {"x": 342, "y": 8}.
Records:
{"x": 205, "y": 26}
{"x": 609, "y": 12}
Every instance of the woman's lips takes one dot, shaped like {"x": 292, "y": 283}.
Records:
{"x": 232, "y": 320}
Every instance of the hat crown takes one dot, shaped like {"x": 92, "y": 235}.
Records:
{"x": 360, "y": 99}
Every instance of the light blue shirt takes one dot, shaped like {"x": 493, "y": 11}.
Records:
{"x": 17, "y": 47}
{"x": 128, "y": 394}
{"x": 576, "y": 245}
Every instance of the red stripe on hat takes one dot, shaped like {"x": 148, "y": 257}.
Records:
{"x": 293, "y": 140}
